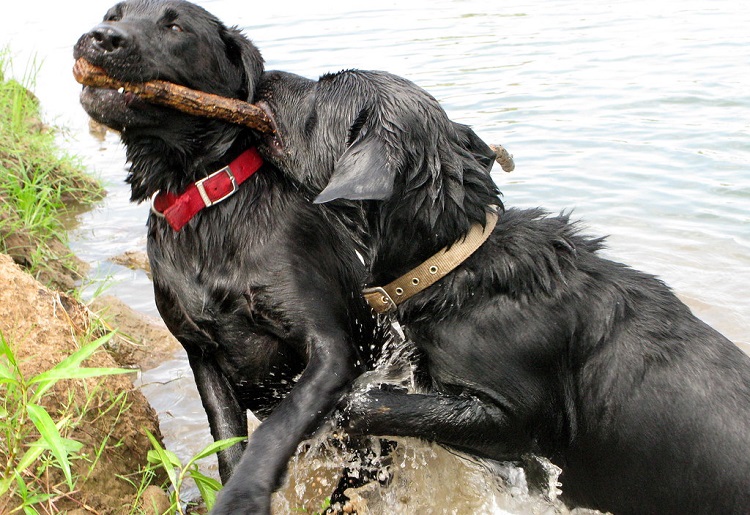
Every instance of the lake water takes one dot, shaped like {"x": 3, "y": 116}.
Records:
{"x": 635, "y": 115}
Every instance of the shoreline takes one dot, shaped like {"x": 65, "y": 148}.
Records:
{"x": 103, "y": 418}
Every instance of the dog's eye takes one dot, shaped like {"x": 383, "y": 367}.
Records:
{"x": 174, "y": 27}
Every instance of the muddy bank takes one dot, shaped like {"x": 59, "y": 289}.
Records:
{"x": 141, "y": 341}
{"x": 43, "y": 326}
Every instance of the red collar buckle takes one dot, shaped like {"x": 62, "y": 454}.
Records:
{"x": 207, "y": 200}
{"x": 217, "y": 187}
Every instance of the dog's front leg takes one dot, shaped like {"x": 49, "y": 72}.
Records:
{"x": 329, "y": 372}
{"x": 226, "y": 417}
{"x": 461, "y": 421}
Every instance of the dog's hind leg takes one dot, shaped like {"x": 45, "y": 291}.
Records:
{"x": 225, "y": 415}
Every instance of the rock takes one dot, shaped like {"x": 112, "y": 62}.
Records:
{"x": 133, "y": 259}
{"x": 155, "y": 501}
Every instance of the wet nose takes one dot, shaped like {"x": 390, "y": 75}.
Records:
{"x": 109, "y": 38}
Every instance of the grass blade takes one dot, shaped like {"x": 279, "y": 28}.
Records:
{"x": 216, "y": 447}
{"x": 164, "y": 458}
{"x": 59, "y": 447}
{"x": 69, "y": 367}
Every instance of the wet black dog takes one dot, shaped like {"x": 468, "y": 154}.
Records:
{"x": 260, "y": 288}
{"x": 534, "y": 343}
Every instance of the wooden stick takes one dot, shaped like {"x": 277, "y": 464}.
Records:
{"x": 179, "y": 97}
{"x": 209, "y": 105}
{"x": 503, "y": 158}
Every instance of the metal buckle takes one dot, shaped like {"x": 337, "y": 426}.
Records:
{"x": 153, "y": 209}
{"x": 202, "y": 190}
{"x": 387, "y": 302}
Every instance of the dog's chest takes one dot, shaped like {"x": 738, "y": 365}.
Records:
{"x": 220, "y": 276}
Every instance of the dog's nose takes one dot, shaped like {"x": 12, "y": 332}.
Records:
{"x": 109, "y": 38}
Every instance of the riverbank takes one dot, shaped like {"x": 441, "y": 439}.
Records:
{"x": 74, "y": 439}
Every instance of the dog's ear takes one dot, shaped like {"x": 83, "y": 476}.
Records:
{"x": 245, "y": 55}
{"x": 481, "y": 152}
{"x": 365, "y": 170}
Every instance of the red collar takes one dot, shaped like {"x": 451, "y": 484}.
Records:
{"x": 179, "y": 209}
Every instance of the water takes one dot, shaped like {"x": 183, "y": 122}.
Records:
{"x": 635, "y": 115}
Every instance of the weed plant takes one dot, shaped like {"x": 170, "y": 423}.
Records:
{"x": 178, "y": 473}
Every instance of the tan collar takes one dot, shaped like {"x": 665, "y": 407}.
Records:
{"x": 387, "y": 298}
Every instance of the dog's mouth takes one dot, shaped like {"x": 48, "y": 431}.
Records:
{"x": 113, "y": 97}
{"x": 117, "y": 109}
{"x": 112, "y": 106}
{"x": 273, "y": 142}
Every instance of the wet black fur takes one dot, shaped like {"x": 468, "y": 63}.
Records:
{"x": 261, "y": 289}
{"x": 535, "y": 343}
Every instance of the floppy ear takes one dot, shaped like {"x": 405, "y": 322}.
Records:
{"x": 245, "y": 55}
{"x": 363, "y": 171}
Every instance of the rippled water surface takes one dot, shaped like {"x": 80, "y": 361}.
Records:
{"x": 635, "y": 115}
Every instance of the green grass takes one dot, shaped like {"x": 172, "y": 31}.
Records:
{"x": 36, "y": 444}
{"x": 38, "y": 181}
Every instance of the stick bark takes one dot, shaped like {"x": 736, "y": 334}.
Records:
{"x": 178, "y": 97}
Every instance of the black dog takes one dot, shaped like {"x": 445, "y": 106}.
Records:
{"x": 534, "y": 343}
{"x": 252, "y": 286}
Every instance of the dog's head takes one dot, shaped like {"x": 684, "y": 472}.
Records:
{"x": 369, "y": 135}
{"x": 170, "y": 40}
{"x": 179, "y": 42}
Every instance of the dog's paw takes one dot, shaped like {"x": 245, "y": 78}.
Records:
{"x": 232, "y": 500}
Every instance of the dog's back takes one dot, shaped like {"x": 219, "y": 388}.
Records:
{"x": 595, "y": 365}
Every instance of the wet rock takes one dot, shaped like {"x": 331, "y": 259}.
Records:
{"x": 133, "y": 259}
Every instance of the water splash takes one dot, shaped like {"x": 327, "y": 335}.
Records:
{"x": 408, "y": 475}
